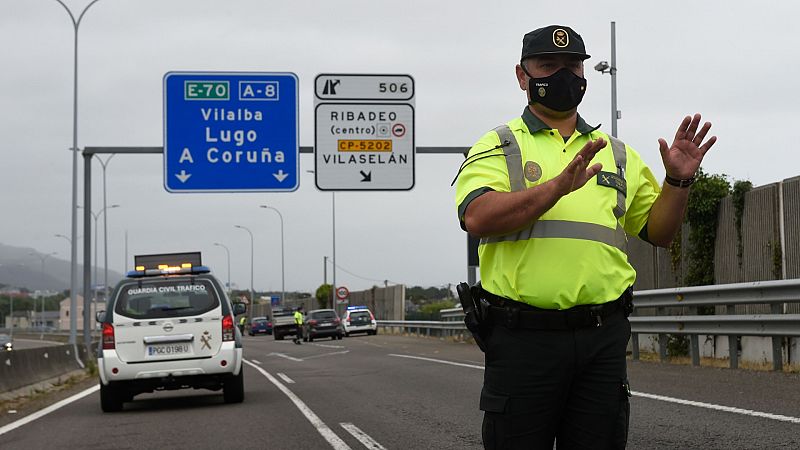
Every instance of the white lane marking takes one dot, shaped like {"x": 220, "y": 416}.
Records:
{"x": 257, "y": 362}
{"x": 747, "y": 412}
{"x": 730, "y": 409}
{"x": 325, "y": 354}
{"x": 438, "y": 361}
{"x": 285, "y": 378}
{"x": 362, "y": 437}
{"x": 292, "y": 358}
{"x": 30, "y": 418}
{"x": 328, "y": 345}
{"x": 334, "y": 440}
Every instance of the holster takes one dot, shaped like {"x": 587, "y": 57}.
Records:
{"x": 476, "y": 312}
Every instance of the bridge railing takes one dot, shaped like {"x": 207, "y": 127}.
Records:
{"x": 674, "y": 311}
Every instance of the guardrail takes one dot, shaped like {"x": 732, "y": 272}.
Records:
{"x": 778, "y": 324}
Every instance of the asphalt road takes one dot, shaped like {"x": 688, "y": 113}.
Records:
{"x": 398, "y": 392}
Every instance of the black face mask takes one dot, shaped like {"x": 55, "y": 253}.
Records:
{"x": 561, "y": 91}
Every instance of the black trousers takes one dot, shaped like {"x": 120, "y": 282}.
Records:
{"x": 567, "y": 386}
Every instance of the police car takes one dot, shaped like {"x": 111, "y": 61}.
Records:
{"x": 359, "y": 319}
{"x": 169, "y": 325}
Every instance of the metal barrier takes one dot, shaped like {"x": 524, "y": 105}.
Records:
{"x": 777, "y": 324}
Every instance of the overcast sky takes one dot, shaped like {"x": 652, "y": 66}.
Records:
{"x": 732, "y": 61}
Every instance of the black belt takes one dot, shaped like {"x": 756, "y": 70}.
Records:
{"x": 512, "y": 314}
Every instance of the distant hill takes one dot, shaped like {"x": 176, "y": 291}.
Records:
{"x": 18, "y": 268}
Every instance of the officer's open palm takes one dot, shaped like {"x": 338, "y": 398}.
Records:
{"x": 578, "y": 172}
{"x": 683, "y": 157}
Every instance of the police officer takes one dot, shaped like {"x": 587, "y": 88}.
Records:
{"x": 552, "y": 199}
{"x": 242, "y": 321}
{"x": 298, "y": 324}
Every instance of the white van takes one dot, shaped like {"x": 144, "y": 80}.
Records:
{"x": 169, "y": 325}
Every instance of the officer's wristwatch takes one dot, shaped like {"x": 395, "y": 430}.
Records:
{"x": 678, "y": 183}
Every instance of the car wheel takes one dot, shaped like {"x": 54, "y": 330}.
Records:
{"x": 233, "y": 389}
{"x": 305, "y": 338}
{"x": 110, "y": 398}
{"x": 347, "y": 335}
{"x": 278, "y": 337}
{"x": 311, "y": 339}
{"x": 339, "y": 337}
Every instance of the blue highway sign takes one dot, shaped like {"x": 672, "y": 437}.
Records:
{"x": 231, "y": 132}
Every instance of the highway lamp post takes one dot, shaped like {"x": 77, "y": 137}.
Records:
{"x": 97, "y": 216}
{"x": 71, "y": 313}
{"x": 105, "y": 224}
{"x": 252, "y": 291}
{"x": 73, "y": 282}
{"x": 283, "y": 266}
{"x": 228, "y": 253}
{"x": 333, "y": 226}
{"x": 604, "y": 67}
{"x": 41, "y": 293}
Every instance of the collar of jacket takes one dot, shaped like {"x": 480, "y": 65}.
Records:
{"x": 535, "y": 124}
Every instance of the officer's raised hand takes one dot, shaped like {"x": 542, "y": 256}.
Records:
{"x": 683, "y": 157}
{"x": 578, "y": 172}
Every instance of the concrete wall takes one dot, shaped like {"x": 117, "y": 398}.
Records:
{"x": 386, "y": 303}
{"x": 21, "y": 368}
{"x": 770, "y": 251}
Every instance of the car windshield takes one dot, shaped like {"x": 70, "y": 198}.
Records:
{"x": 323, "y": 315}
{"x": 166, "y": 298}
{"x": 259, "y": 321}
{"x": 4, "y": 338}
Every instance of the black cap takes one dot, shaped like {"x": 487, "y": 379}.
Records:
{"x": 554, "y": 39}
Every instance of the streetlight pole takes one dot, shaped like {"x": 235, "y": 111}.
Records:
{"x": 105, "y": 224}
{"x": 283, "y": 266}
{"x": 333, "y": 214}
{"x": 252, "y": 292}
{"x": 96, "y": 232}
{"x": 604, "y": 67}
{"x": 41, "y": 294}
{"x": 227, "y": 252}
{"x": 73, "y": 295}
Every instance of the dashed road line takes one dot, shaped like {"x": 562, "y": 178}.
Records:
{"x": 362, "y": 437}
{"x": 285, "y": 378}
{"x": 256, "y": 361}
{"x": 335, "y": 441}
{"x": 472, "y": 366}
{"x": 328, "y": 345}
{"x": 291, "y": 358}
{"x": 747, "y": 412}
{"x": 41, "y": 413}
{"x": 325, "y": 354}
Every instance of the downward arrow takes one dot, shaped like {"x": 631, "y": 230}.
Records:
{"x": 280, "y": 176}
{"x": 183, "y": 176}
{"x": 367, "y": 176}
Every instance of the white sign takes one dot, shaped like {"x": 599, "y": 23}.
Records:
{"x": 342, "y": 292}
{"x": 364, "y": 133}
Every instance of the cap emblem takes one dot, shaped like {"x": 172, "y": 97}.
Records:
{"x": 533, "y": 171}
{"x": 560, "y": 38}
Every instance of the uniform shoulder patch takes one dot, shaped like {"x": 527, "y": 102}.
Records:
{"x": 533, "y": 171}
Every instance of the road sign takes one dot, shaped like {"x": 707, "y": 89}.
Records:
{"x": 342, "y": 293}
{"x": 230, "y": 132}
{"x": 364, "y": 132}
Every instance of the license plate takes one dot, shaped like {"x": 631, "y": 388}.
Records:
{"x": 167, "y": 349}
{"x": 326, "y": 324}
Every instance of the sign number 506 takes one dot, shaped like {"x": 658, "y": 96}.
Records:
{"x": 393, "y": 87}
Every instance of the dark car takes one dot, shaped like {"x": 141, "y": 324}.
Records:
{"x": 260, "y": 325}
{"x": 322, "y": 323}
{"x": 6, "y": 344}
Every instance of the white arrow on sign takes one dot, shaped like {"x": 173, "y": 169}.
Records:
{"x": 280, "y": 176}
{"x": 183, "y": 176}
